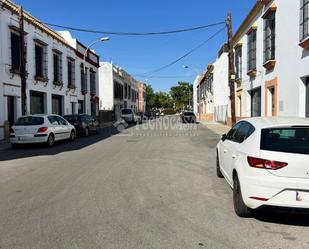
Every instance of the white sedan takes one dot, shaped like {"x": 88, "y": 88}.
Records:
{"x": 266, "y": 162}
{"x": 41, "y": 129}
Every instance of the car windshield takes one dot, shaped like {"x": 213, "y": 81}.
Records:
{"x": 126, "y": 111}
{"x": 288, "y": 140}
{"x": 25, "y": 121}
{"x": 72, "y": 118}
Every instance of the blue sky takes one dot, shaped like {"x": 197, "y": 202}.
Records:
{"x": 138, "y": 55}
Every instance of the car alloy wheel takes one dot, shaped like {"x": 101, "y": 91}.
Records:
{"x": 219, "y": 173}
{"x": 86, "y": 132}
{"x": 50, "y": 140}
{"x": 72, "y": 136}
{"x": 239, "y": 206}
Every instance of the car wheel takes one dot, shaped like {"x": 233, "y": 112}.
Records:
{"x": 15, "y": 146}
{"x": 72, "y": 136}
{"x": 86, "y": 132}
{"x": 239, "y": 206}
{"x": 50, "y": 140}
{"x": 219, "y": 174}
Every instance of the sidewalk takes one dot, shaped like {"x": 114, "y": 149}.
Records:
{"x": 215, "y": 127}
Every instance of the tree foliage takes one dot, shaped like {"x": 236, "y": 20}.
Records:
{"x": 182, "y": 95}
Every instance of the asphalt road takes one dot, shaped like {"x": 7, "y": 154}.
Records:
{"x": 143, "y": 188}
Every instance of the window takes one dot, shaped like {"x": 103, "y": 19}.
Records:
{"x": 240, "y": 132}
{"x": 57, "y": 61}
{"x": 125, "y": 90}
{"x": 83, "y": 78}
{"x": 24, "y": 121}
{"x": 304, "y": 19}
{"x": 71, "y": 72}
{"x": 288, "y": 140}
{"x": 61, "y": 121}
{"x": 41, "y": 61}
{"x": 53, "y": 120}
{"x": 256, "y": 103}
{"x": 238, "y": 62}
{"x": 92, "y": 82}
{"x": 57, "y": 104}
{"x": 81, "y": 107}
{"x": 252, "y": 50}
{"x": 269, "y": 37}
{"x": 118, "y": 90}
{"x": 15, "y": 51}
{"x": 37, "y": 102}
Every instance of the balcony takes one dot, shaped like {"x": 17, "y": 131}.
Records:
{"x": 305, "y": 43}
{"x": 270, "y": 65}
{"x": 252, "y": 73}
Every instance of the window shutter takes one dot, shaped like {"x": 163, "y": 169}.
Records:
{"x": 301, "y": 20}
{"x": 60, "y": 68}
{"x": 45, "y": 63}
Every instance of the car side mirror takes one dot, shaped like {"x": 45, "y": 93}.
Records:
{"x": 223, "y": 137}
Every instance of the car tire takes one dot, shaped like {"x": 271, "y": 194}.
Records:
{"x": 239, "y": 206}
{"x": 219, "y": 173}
{"x": 72, "y": 136}
{"x": 15, "y": 146}
{"x": 50, "y": 140}
{"x": 86, "y": 133}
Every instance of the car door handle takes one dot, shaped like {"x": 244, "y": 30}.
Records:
{"x": 224, "y": 151}
{"x": 233, "y": 156}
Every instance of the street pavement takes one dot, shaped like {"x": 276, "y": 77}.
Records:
{"x": 151, "y": 186}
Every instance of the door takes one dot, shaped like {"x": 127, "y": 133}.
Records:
{"x": 273, "y": 106}
{"x": 256, "y": 103}
{"x": 56, "y": 127}
{"x": 307, "y": 97}
{"x": 57, "y": 104}
{"x": 65, "y": 129}
{"x": 225, "y": 152}
{"x": 11, "y": 109}
{"x": 37, "y": 103}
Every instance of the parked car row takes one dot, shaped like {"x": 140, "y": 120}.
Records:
{"x": 48, "y": 129}
{"x": 266, "y": 162}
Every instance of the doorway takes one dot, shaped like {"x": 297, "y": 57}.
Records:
{"x": 307, "y": 97}
{"x": 11, "y": 108}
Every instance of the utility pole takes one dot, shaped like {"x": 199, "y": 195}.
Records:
{"x": 23, "y": 75}
{"x": 231, "y": 67}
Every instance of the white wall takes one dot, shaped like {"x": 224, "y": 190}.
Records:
{"x": 106, "y": 86}
{"x": 10, "y": 83}
{"x": 195, "y": 94}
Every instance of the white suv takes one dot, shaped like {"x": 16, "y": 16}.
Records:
{"x": 41, "y": 129}
{"x": 266, "y": 162}
{"x": 130, "y": 116}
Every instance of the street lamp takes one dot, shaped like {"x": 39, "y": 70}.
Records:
{"x": 103, "y": 39}
{"x": 197, "y": 73}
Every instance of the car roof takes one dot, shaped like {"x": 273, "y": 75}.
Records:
{"x": 264, "y": 122}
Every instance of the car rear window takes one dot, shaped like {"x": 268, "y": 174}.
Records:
{"x": 189, "y": 113}
{"x": 25, "y": 121}
{"x": 288, "y": 140}
{"x": 72, "y": 118}
{"x": 126, "y": 111}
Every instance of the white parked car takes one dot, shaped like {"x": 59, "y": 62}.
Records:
{"x": 266, "y": 162}
{"x": 41, "y": 129}
{"x": 130, "y": 116}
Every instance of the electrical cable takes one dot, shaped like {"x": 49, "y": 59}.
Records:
{"x": 135, "y": 33}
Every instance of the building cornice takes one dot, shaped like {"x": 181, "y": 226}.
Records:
{"x": 248, "y": 21}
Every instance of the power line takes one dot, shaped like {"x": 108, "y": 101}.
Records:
{"x": 150, "y": 73}
{"x": 136, "y": 33}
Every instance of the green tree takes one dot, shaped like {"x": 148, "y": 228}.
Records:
{"x": 182, "y": 95}
{"x": 150, "y": 97}
{"x": 163, "y": 100}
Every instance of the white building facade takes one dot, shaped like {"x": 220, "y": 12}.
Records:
{"x": 118, "y": 89}
{"x": 272, "y": 60}
{"x": 55, "y": 81}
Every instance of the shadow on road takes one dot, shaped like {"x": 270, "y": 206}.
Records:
{"x": 41, "y": 150}
{"x": 283, "y": 216}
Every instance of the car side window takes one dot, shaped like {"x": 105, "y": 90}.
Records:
{"x": 245, "y": 130}
{"x": 231, "y": 134}
{"x": 53, "y": 120}
{"x": 62, "y": 121}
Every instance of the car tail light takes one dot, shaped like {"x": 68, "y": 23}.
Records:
{"x": 265, "y": 164}
{"x": 12, "y": 131}
{"x": 42, "y": 129}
